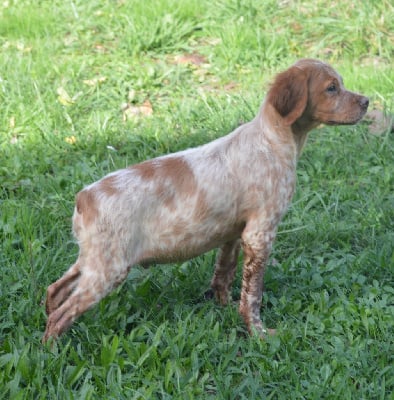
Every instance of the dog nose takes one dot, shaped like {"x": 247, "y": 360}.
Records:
{"x": 364, "y": 102}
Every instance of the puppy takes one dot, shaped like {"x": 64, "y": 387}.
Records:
{"x": 226, "y": 194}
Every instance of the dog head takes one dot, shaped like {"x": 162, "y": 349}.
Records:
{"x": 312, "y": 92}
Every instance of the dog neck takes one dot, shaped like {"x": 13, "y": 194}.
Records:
{"x": 294, "y": 135}
{"x": 300, "y": 130}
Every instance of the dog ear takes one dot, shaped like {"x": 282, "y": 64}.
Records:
{"x": 289, "y": 94}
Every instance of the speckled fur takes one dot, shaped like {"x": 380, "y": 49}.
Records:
{"x": 229, "y": 193}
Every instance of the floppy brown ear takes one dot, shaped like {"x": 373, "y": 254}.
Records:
{"x": 289, "y": 94}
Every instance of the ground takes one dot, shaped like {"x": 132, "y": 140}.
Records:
{"x": 89, "y": 87}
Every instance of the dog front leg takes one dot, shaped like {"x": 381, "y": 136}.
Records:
{"x": 256, "y": 246}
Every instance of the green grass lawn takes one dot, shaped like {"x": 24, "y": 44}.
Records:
{"x": 87, "y": 87}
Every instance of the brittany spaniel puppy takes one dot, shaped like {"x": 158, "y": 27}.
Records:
{"x": 229, "y": 194}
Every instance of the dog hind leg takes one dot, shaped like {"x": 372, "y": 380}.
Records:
{"x": 225, "y": 268}
{"x": 59, "y": 291}
{"x": 85, "y": 284}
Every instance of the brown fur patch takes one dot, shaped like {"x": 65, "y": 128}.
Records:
{"x": 289, "y": 94}
{"x": 173, "y": 177}
{"x": 86, "y": 206}
{"x": 107, "y": 185}
{"x": 202, "y": 207}
{"x": 145, "y": 169}
{"x": 179, "y": 173}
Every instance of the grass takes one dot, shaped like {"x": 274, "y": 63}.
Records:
{"x": 73, "y": 76}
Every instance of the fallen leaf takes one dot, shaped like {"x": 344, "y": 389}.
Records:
{"x": 209, "y": 41}
{"x": 100, "y": 48}
{"x": 70, "y": 139}
{"x": 193, "y": 59}
{"x": 95, "y": 81}
{"x": 136, "y": 111}
{"x": 64, "y": 98}
{"x": 203, "y": 74}
{"x": 230, "y": 86}
{"x": 379, "y": 122}
{"x": 21, "y": 47}
{"x": 69, "y": 39}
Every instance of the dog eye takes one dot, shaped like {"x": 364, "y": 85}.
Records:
{"x": 331, "y": 88}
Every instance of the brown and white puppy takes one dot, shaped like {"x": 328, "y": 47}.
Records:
{"x": 229, "y": 193}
